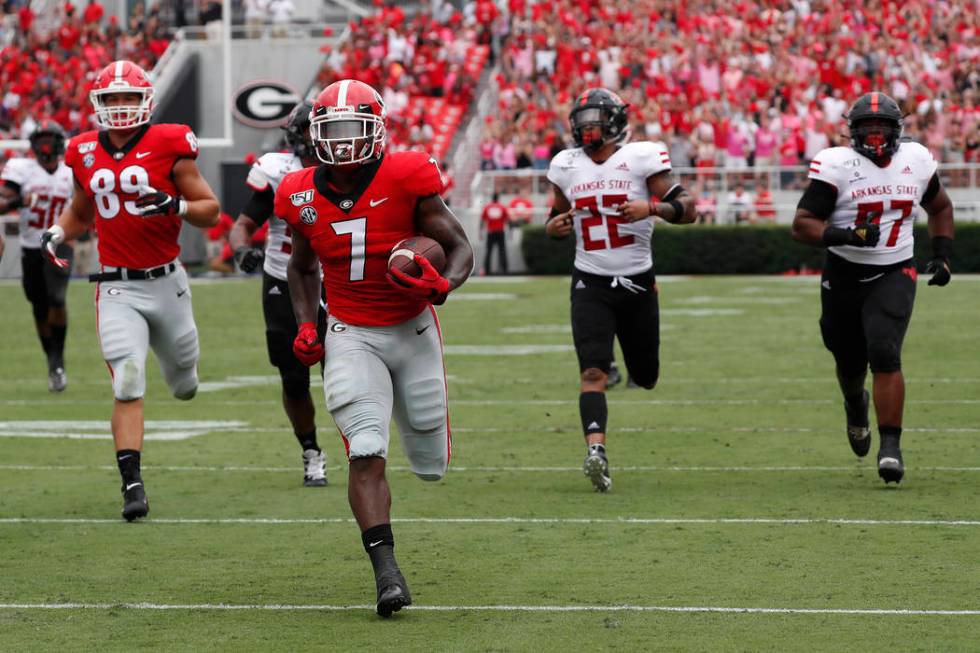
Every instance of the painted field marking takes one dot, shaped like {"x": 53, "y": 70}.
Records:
{"x": 286, "y": 607}
{"x": 481, "y": 469}
{"x": 163, "y": 430}
{"x": 636, "y": 521}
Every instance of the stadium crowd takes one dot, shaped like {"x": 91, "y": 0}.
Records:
{"x": 734, "y": 84}
{"x": 430, "y": 55}
{"x": 48, "y": 60}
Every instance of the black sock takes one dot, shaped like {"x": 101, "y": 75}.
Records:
{"x": 308, "y": 440}
{"x": 592, "y": 409}
{"x": 129, "y": 465}
{"x": 56, "y": 353}
{"x": 890, "y": 434}
{"x": 46, "y": 345}
{"x": 379, "y": 542}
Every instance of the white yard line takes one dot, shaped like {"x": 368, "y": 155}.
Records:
{"x": 651, "y": 521}
{"x": 285, "y": 607}
{"x": 455, "y": 469}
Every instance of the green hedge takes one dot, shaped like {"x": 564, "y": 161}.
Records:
{"x": 699, "y": 249}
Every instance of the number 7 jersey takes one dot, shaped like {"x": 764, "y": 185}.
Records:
{"x": 111, "y": 177}
{"x": 353, "y": 233}
{"x": 866, "y": 193}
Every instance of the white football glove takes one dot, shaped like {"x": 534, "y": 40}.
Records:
{"x": 50, "y": 240}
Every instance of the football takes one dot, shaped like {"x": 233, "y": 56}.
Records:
{"x": 403, "y": 255}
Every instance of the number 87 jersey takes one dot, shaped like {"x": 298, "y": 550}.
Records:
{"x": 886, "y": 196}
{"x": 112, "y": 178}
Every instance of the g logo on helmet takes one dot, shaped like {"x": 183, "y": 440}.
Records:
{"x": 308, "y": 215}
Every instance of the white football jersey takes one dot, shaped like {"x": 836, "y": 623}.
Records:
{"x": 266, "y": 173}
{"x": 888, "y": 197}
{"x": 53, "y": 191}
{"x": 605, "y": 244}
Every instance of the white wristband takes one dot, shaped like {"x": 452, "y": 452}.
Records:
{"x": 181, "y": 206}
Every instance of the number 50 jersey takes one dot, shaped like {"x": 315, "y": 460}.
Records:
{"x": 353, "y": 234}
{"x": 52, "y": 191}
{"x": 112, "y": 177}
{"x": 604, "y": 243}
{"x": 866, "y": 193}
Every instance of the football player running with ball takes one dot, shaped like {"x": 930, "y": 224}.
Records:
{"x": 41, "y": 187}
{"x": 277, "y": 307}
{"x": 608, "y": 191}
{"x": 383, "y": 343}
{"x": 860, "y": 205}
{"x": 139, "y": 183}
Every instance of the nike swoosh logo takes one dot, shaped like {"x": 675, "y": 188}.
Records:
{"x": 877, "y": 276}
{"x": 419, "y": 332}
{"x": 371, "y": 545}
{"x": 180, "y": 293}
{"x": 132, "y": 485}
{"x": 374, "y": 203}
{"x": 140, "y": 155}
{"x": 125, "y": 457}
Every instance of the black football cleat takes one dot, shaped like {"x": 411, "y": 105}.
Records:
{"x": 135, "y": 504}
{"x": 393, "y": 594}
{"x": 614, "y": 377}
{"x": 858, "y": 430}
{"x": 890, "y": 464}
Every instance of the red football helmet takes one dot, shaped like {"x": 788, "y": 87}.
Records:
{"x": 347, "y": 124}
{"x": 122, "y": 77}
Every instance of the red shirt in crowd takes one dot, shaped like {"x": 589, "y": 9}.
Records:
{"x": 495, "y": 217}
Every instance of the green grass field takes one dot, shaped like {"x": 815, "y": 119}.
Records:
{"x": 739, "y": 519}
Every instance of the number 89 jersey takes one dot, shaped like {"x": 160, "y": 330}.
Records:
{"x": 866, "y": 193}
{"x": 112, "y": 177}
{"x": 606, "y": 244}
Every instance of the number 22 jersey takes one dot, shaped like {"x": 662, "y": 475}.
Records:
{"x": 606, "y": 244}
{"x": 112, "y": 177}
{"x": 353, "y": 233}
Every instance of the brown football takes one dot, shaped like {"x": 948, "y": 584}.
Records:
{"x": 402, "y": 255}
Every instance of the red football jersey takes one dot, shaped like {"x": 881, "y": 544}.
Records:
{"x": 112, "y": 178}
{"x": 353, "y": 234}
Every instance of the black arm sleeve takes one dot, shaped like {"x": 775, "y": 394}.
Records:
{"x": 819, "y": 198}
{"x": 259, "y": 205}
{"x": 931, "y": 190}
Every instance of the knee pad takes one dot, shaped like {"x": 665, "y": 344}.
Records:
{"x": 184, "y": 384}
{"x": 128, "y": 378}
{"x": 359, "y": 418}
{"x": 425, "y": 404}
{"x": 884, "y": 356}
{"x": 295, "y": 380}
{"x": 647, "y": 379}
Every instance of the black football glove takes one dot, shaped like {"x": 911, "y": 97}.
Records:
{"x": 156, "y": 202}
{"x": 865, "y": 235}
{"x": 939, "y": 269}
{"x": 249, "y": 258}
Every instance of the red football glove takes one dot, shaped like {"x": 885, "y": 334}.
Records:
{"x": 431, "y": 286}
{"x": 306, "y": 347}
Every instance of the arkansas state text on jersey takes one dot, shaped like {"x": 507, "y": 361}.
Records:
{"x": 113, "y": 178}
{"x": 605, "y": 244}
{"x": 51, "y": 190}
{"x": 888, "y": 197}
{"x": 353, "y": 234}
{"x": 266, "y": 174}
